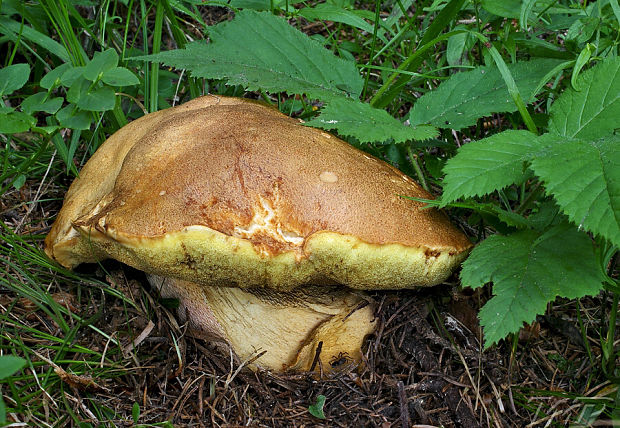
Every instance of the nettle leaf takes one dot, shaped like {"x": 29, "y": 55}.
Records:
{"x": 529, "y": 270}
{"x": 584, "y": 179}
{"x": 465, "y": 97}
{"x": 13, "y": 77}
{"x": 487, "y": 165}
{"x": 592, "y": 112}
{"x": 367, "y": 124}
{"x": 258, "y": 50}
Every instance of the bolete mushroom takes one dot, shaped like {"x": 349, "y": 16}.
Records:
{"x": 256, "y": 222}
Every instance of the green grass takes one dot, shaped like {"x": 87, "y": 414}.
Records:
{"x": 80, "y": 322}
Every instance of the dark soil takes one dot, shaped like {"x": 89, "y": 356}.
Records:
{"x": 423, "y": 366}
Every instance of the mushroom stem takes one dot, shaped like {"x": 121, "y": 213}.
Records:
{"x": 311, "y": 329}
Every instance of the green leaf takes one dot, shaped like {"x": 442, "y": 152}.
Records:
{"x": 101, "y": 62}
{"x": 582, "y": 30}
{"x": 71, "y": 76}
{"x": 16, "y": 121}
{"x": 98, "y": 99}
{"x": 464, "y": 98}
{"x": 457, "y": 46}
{"x": 70, "y": 117}
{"x": 9, "y": 365}
{"x": 584, "y": 179}
{"x": 582, "y": 60}
{"x": 120, "y": 76}
{"x": 390, "y": 89}
{"x": 316, "y": 409}
{"x": 504, "y": 8}
{"x": 592, "y": 112}
{"x": 2, "y": 411}
{"x": 19, "y": 181}
{"x": 135, "y": 412}
{"x": 40, "y": 102}
{"x": 529, "y": 270}
{"x": 251, "y": 4}
{"x": 53, "y": 78}
{"x": 487, "y": 165}
{"x": 366, "y": 123}
{"x": 16, "y": 30}
{"x": 13, "y": 77}
{"x": 330, "y": 12}
{"x": 261, "y": 51}
{"x": 78, "y": 87}
{"x": 524, "y": 15}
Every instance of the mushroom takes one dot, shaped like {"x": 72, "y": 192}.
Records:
{"x": 264, "y": 229}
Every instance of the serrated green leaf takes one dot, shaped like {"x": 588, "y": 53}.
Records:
{"x": 592, "y": 112}
{"x": 101, "y": 62}
{"x": 366, "y": 123}
{"x": 119, "y": 76}
{"x": 487, "y": 165}
{"x": 584, "y": 179}
{"x": 261, "y": 51}
{"x": 40, "y": 102}
{"x": 467, "y": 96}
{"x": 53, "y": 78}
{"x": 10, "y": 364}
{"x": 529, "y": 270}
{"x": 13, "y": 77}
{"x": 98, "y": 99}
{"x": 16, "y": 121}
{"x": 330, "y": 12}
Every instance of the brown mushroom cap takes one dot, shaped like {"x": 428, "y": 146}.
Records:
{"x": 224, "y": 191}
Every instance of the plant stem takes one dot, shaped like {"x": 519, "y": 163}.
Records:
{"x": 611, "y": 335}
{"x": 530, "y": 199}
{"x": 154, "y": 82}
{"x": 413, "y": 158}
{"x": 373, "y": 46}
